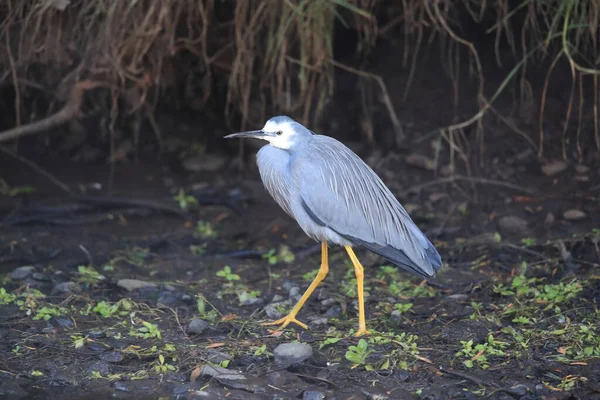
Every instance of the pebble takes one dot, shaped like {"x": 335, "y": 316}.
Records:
{"x": 313, "y": 395}
{"x": 204, "y": 163}
{"x": 214, "y": 371}
{"x": 62, "y": 322}
{"x": 512, "y": 224}
{"x": 217, "y": 357}
{"x": 40, "y": 276}
{"x": 518, "y": 390}
{"x": 111, "y": 357}
{"x": 554, "y": 168}
{"x": 272, "y": 311}
{"x": 333, "y": 311}
{"x": 574, "y": 215}
{"x": 22, "y": 272}
{"x": 66, "y": 288}
{"x": 582, "y": 169}
{"x": 198, "y": 326}
{"x": 396, "y": 316}
{"x": 133, "y": 284}
{"x": 99, "y": 366}
{"x": 421, "y": 161}
{"x": 292, "y": 353}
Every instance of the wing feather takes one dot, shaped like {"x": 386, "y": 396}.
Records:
{"x": 340, "y": 191}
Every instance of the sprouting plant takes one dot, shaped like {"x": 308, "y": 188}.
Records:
{"x": 198, "y": 250}
{"x": 284, "y": 255}
{"x": 204, "y": 230}
{"x": 161, "y": 366}
{"x": 148, "y": 330}
{"x": 477, "y": 354}
{"x": 89, "y": 276}
{"x": 185, "y": 201}
{"x": 7, "y": 190}
{"x": 358, "y": 354}
{"x": 5, "y": 297}
{"x": 46, "y": 313}
{"x": 403, "y": 308}
{"x": 529, "y": 241}
{"x": 227, "y": 274}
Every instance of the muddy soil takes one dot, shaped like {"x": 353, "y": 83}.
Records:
{"x": 156, "y": 295}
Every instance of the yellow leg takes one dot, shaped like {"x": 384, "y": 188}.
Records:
{"x": 360, "y": 277}
{"x": 291, "y": 317}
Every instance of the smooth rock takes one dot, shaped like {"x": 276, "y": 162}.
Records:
{"x": 66, "y": 288}
{"x": 511, "y": 225}
{"x": 111, "y": 357}
{"x": 553, "y": 168}
{"x": 582, "y": 169}
{"x": 22, "y": 272}
{"x": 99, "y": 366}
{"x": 574, "y": 215}
{"x": 421, "y": 161}
{"x": 292, "y": 353}
{"x": 133, "y": 284}
{"x": 313, "y": 395}
{"x": 272, "y": 311}
{"x": 197, "y": 326}
{"x": 204, "y": 163}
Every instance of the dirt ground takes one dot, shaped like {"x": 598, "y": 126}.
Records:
{"x": 152, "y": 296}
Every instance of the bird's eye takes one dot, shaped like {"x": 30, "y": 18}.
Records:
{"x": 279, "y": 133}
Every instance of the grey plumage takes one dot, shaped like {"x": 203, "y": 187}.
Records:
{"x": 336, "y": 197}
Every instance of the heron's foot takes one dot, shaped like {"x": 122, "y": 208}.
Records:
{"x": 285, "y": 321}
{"x": 361, "y": 332}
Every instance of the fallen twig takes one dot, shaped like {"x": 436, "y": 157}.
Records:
{"x": 456, "y": 178}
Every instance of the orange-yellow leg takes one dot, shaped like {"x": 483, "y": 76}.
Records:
{"x": 291, "y": 317}
{"x": 360, "y": 277}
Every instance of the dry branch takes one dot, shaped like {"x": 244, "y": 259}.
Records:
{"x": 65, "y": 114}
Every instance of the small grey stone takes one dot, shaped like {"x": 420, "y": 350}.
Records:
{"x": 133, "y": 284}
{"x": 513, "y": 225}
{"x": 40, "y": 276}
{"x": 294, "y": 291}
{"x": 574, "y": 215}
{"x": 99, "y": 366}
{"x": 66, "y": 288}
{"x": 272, "y": 311}
{"x": 313, "y": 395}
{"x": 214, "y": 371}
{"x": 217, "y": 357}
{"x": 292, "y": 353}
{"x": 582, "y": 169}
{"x": 333, "y": 311}
{"x": 553, "y": 168}
{"x": 396, "y": 316}
{"x": 277, "y": 298}
{"x": 22, "y": 272}
{"x": 319, "y": 321}
{"x": 457, "y": 298}
{"x": 518, "y": 390}
{"x": 96, "y": 334}
{"x": 420, "y": 161}
{"x": 122, "y": 386}
{"x": 198, "y": 326}
{"x": 111, "y": 357}
{"x": 204, "y": 163}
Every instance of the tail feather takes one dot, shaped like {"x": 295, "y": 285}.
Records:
{"x": 427, "y": 268}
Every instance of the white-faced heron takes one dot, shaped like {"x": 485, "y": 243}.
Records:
{"x": 337, "y": 198}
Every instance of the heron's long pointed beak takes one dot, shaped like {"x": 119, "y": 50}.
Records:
{"x": 259, "y": 134}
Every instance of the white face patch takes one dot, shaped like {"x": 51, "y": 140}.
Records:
{"x": 284, "y": 134}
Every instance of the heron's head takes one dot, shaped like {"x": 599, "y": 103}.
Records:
{"x": 282, "y": 132}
